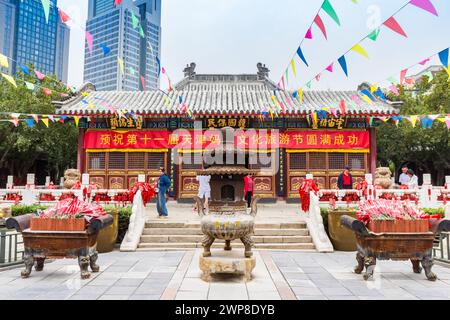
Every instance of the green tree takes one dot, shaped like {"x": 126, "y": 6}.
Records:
{"x": 22, "y": 147}
{"x": 426, "y": 149}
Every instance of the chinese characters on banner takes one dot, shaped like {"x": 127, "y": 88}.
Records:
{"x": 250, "y": 139}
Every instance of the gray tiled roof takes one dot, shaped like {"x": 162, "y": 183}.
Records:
{"x": 217, "y": 94}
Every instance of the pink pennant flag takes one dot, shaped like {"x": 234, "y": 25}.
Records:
{"x": 89, "y": 40}
{"x": 410, "y": 81}
{"x": 289, "y": 101}
{"x": 51, "y": 118}
{"x": 282, "y": 106}
{"x": 333, "y": 111}
{"x": 15, "y": 122}
{"x": 40, "y": 75}
{"x": 308, "y": 34}
{"x": 321, "y": 25}
{"x": 47, "y": 91}
{"x": 318, "y": 77}
{"x": 117, "y": 2}
{"x": 143, "y": 83}
{"x": 163, "y": 70}
{"x": 424, "y": 61}
{"x": 343, "y": 107}
{"x": 64, "y": 17}
{"x": 447, "y": 122}
{"x": 63, "y": 95}
{"x": 403, "y": 75}
{"x": 282, "y": 82}
{"x": 425, "y": 5}
{"x": 393, "y": 88}
{"x": 330, "y": 67}
{"x": 35, "y": 117}
{"x": 392, "y": 24}
{"x": 356, "y": 99}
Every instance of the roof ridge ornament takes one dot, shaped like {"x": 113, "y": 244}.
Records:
{"x": 189, "y": 71}
{"x": 263, "y": 71}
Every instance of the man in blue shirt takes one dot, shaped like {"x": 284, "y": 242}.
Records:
{"x": 163, "y": 186}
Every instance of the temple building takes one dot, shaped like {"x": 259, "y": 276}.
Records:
{"x": 124, "y": 134}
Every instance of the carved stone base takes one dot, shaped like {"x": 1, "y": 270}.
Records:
{"x": 228, "y": 262}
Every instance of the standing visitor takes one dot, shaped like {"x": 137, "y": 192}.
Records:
{"x": 248, "y": 189}
{"x": 345, "y": 179}
{"x": 305, "y": 189}
{"x": 413, "y": 180}
{"x": 163, "y": 187}
{"x": 204, "y": 191}
{"x": 404, "y": 178}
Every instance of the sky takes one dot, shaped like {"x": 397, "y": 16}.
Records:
{"x": 232, "y": 36}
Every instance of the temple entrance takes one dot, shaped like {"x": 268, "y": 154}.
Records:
{"x": 227, "y": 193}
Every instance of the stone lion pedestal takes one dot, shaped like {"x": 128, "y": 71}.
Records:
{"x": 226, "y": 262}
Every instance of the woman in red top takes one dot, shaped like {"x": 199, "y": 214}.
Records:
{"x": 305, "y": 189}
{"x": 248, "y": 189}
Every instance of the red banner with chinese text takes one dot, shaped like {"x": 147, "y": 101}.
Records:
{"x": 126, "y": 139}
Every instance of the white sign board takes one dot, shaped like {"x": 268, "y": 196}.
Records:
{"x": 427, "y": 178}
{"x": 368, "y": 178}
{"x": 47, "y": 181}
{"x": 61, "y": 182}
{"x": 30, "y": 178}
{"x": 10, "y": 180}
{"x": 85, "y": 179}
{"x": 141, "y": 178}
{"x": 447, "y": 181}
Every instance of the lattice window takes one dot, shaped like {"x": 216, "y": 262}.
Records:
{"x": 336, "y": 161}
{"x": 155, "y": 160}
{"x": 357, "y": 161}
{"x": 263, "y": 161}
{"x": 136, "y": 160}
{"x": 116, "y": 160}
{"x": 297, "y": 161}
{"x": 192, "y": 161}
{"x": 97, "y": 160}
{"x": 317, "y": 160}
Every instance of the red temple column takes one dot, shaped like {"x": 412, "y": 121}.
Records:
{"x": 373, "y": 150}
{"x": 81, "y": 157}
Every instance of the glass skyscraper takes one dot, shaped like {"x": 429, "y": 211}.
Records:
{"x": 112, "y": 28}
{"x": 27, "y": 38}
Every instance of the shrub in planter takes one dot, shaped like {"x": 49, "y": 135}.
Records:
{"x": 124, "y": 220}
{"x": 19, "y": 210}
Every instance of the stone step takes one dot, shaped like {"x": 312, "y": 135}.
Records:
{"x": 179, "y": 224}
{"x": 260, "y": 246}
{"x": 197, "y": 231}
{"x": 198, "y": 239}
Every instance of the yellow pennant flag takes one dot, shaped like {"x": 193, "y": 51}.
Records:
{"x": 300, "y": 95}
{"x": 373, "y": 88}
{"x": 120, "y": 61}
{"x": 166, "y": 101}
{"x": 366, "y": 99}
{"x": 441, "y": 119}
{"x": 358, "y": 48}
{"x": 4, "y": 61}
{"x": 10, "y": 79}
{"x": 91, "y": 105}
{"x": 413, "y": 120}
{"x": 76, "y": 119}
{"x": 274, "y": 100}
{"x": 293, "y": 68}
{"x": 45, "y": 121}
{"x": 448, "y": 72}
{"x": 85, "y": 94}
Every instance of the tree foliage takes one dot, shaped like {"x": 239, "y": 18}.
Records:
{"x": 426, "y": 150}
{"x": 22, "y": 147}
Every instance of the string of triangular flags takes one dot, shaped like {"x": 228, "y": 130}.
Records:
{"x": 390, "y": 23}
{"x": 329, "y": 10}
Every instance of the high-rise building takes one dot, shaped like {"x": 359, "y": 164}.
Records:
{"x": 28, "y": 38}
{"x": 130, "y": 32}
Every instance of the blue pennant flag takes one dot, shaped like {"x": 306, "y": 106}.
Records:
{"x": 343, "y": 64}
{"x": 443, "y": 56}
{"x": 380, "y": 94}
{"x": 324, "y": 114}
{"x": 159, "y": 65}
{"x": 295, "y": 94}
{"x": 30, "y": 122}
{"x": 300, "y": 54}
{"x": 106, "y": 49}
{"x": 369, "y": 94}
{"x": 25, "y": 69}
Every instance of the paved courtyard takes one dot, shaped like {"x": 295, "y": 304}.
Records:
{"x": 175, "y": 275}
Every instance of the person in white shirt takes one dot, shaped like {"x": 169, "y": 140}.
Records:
{"x": 404, "y": 177}
{"x": 204, "y": 190}
{"x": 413, "y": 181}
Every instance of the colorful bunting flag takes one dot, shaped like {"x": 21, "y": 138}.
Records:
{"x": 300, "y": 95}
{"x": 51, "y": 117}
{"x": 293, "y": 68}
{"x": 45, "y": 121}
{"x": 134, "y": 20}
{"x": 15, "y": 122}
{"x": 393, "y": 88}
{"x": 318, "y": 21}
{"x": 143, "y": 83}
{"x": 117, "y": 2}
{"x": 120, "y": 62}
{"x": 359, "y": 49}
{"x": 39, "y": 75}
{"x": 413, "y": 120}
{"x": 374, "y": 34}
{"x": 132, "y": 71}
{"x": 308, "y": 84}
{"x": 317, "y": 77}
{"x": 443, "y": 56}
{"x": 141, "y": 32}
{"x": 342, "y": 107}
{"x": 423, "y": 62}
{"x": 30, "y": 122}
{"x": 46, "y": 6}
{"x": 343, "y": 64}
{"x": 392, "y": 24}
{"x": 328, "y": 8}
{"x": 35, "y": 117}
{"x": 330, "y": 67}
{"x": 4, "y": 61}
{"x": 158, "y": 62}
{"x": 392, "y": 80}
{"x": 9, "y": 79}
{"x": 300, "y": 54}
{"x": 105, "y": 48}
{"x": 47, "y": 91}
{"x": 308, "y": 34}
{"x": 425, "y": 5}
{"x": 25, "y": 69}
{"x": 64, "y": 17}
{"x": 403, "y": 75}
{"x": 89, "y": 40}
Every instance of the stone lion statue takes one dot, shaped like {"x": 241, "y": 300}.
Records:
{"x": 71, "y": 176}
{"x": 383, "y": 177}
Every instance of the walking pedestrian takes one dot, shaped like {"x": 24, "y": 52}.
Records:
{"x": 163, "y": 186}
{"x": 204, "y": 191}
{"x": 248, "y": 189}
